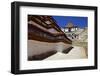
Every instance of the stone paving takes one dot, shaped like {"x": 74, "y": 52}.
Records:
{"x": 75, "y": 53}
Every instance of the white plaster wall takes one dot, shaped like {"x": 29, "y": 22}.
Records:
{"x": 37, "y": 47}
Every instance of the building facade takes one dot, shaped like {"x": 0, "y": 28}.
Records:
{"x": 74, "y": 32}
{"x": 70, "y": 30}
{"x": 45, "y": 37}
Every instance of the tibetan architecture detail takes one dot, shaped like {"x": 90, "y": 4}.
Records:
{"x": 70, "y": 28}
{"x": 74, "y": 32}
{"x": 43, "y": 28}
{"x": 45, "y": 37}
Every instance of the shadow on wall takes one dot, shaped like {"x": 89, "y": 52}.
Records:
{"x": 40, "y": 50}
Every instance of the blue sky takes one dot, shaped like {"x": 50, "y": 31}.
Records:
{"x": 62, "y": 21}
